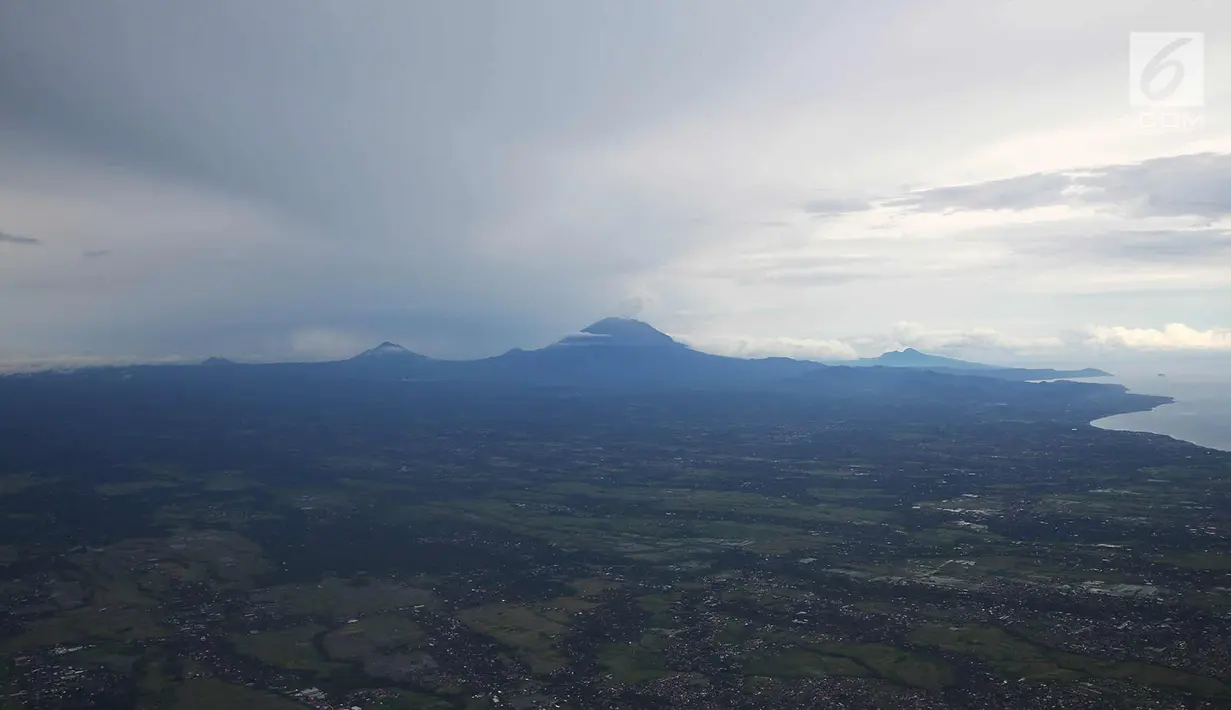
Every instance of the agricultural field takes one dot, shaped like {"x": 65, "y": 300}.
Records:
{"x": 543, "y": 553}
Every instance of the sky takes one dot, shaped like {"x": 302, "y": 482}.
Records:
{"x": 833, "y": 179}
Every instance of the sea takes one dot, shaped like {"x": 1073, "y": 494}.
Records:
{"x": 1201, "y": 413}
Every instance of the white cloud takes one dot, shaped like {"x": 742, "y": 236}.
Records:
{"x": 919, "y": 336}
{"x": 798, "y": 348}
{"x": 985, "y": 344}
{"x": 1173, "y": 336}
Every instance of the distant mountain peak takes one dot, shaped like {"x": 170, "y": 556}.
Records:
{"x": 614, "y": 325}
{"x": 910, "y": 357}
{"x": 214, "y": 361}
{"x": 619, "y": 331}
{"x": 386, "y": 350}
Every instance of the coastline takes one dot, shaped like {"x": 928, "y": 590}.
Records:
{"x": 1199, "y": 412}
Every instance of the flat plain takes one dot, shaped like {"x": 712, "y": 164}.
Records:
{"x": 426, "y": 549}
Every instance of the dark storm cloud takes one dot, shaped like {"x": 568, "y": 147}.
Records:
{"x": 6, "y": 238}
{"x": 300, "y": 108}
{"x": 439, "y": 331}
{"x": 421, "y": 153}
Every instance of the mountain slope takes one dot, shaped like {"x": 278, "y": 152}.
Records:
{"x": 915, "y": 359}
{"x": 387, "y": 351}
{"x": 617, "y": 358}
{"x": 911, "y": 357}
{"x": 622, "y": 352}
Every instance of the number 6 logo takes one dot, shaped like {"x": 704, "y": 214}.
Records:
{"x": 1160, "y": 63}
{"x": 1166, "y": 69}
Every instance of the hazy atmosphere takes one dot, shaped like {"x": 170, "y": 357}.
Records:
{"x": 827, "y": 180}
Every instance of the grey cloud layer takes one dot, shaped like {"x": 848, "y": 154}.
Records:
{"x": 1016, "y": 193}
{"x": 6, "y": 238}
{"x": 1185, "y": 185}
{"x": 426, "y": 160}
